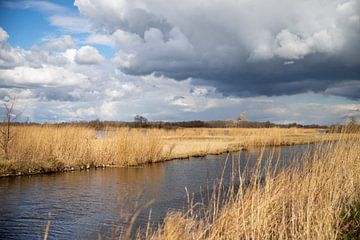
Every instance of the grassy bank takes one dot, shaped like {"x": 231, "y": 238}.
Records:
{"x": 34, "y": 149}
{"x": 45, "y": 149}
{"x": 318, "y": 201}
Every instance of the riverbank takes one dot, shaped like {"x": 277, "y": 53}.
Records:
{"x": 320, "y": 200}
{"x": 38, "y": 149}
{"x": 185, "y": 143}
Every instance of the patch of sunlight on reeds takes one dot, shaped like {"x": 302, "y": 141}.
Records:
{"x": 300, "y": 202}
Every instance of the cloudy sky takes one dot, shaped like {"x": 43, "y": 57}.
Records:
{"x": 277, "y": 60}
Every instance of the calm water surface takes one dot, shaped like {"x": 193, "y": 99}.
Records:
{"x": 86, "y": 204}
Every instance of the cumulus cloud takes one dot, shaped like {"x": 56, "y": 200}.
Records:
{"x": 290, "y": 46}
{"x": 46, "y": 54}
{"x": 61, "y": 43}
{"x": 240, "y": 47}
{"x": 9, "y": 57}
{"x": 45, "y": 76}
{"x": 88, "y": 55}
{"x": 176, "y": 49}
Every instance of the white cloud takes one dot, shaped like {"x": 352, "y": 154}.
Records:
{"x": 88, "y": 55}
{"x": 46, "y": 76}
{"x": 36, "y": 57}
{"x": 73, "y": 24}
{"x": 327, "y": 41}
{"x": 61, "y": 43}
{"x": 3, "y": 35}
{"x": 121, "y": 91}
{"x": 10, "y": 57}
{"x": 152, "y": 51}
{"x": 219, "y": 36}
{"x": 125, "y": 39}
{"x": 291, "y": 46}
{"x": 349, "y": 11}
{"x": 70, "y": 55}
{"x": 107, "y": 40}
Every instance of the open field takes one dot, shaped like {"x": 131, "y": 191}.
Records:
{"x": 34, "y": 149}
{"x": 321, "y": 200}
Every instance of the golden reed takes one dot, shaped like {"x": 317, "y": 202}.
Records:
{"x": 48, "y": 148}
{"x": 310, "y": 202}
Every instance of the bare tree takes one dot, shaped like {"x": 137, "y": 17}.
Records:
{"x": 140, "y": 121}
{"x": 6, "y": 133}
{"x": 352, "y": 125}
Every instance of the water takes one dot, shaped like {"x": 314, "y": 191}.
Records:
{"x": 86, "y": 204}
{"x": 101, "y": 134}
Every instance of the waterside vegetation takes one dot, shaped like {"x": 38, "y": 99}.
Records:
{"x": 319, "y": 200}
{"x": 31, "y": 149}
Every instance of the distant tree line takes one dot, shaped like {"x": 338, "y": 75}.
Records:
{"x": 352, "y": 124}
{"x": 144, "y": 123}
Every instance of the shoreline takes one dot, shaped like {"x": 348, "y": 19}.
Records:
{"x": 187, "y": 156}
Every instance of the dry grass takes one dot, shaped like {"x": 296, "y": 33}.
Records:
{"x": 36, "y": 149}
{"x": 182, "y": 143}
{"x": 298, "y": 203}
{"x": 52, "y": 149}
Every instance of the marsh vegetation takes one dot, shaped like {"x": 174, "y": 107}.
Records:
{"x": 319, "y": 200}
{"x": 36, "y": 149}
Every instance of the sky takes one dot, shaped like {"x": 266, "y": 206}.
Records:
{"x": 277, "y": 60}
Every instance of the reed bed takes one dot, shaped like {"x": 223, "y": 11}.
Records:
{"x": 45, "y": 149}
{"x": 48, "y": 148}
{"x": 188, "y": 142}
{"x": 314, "y": 200}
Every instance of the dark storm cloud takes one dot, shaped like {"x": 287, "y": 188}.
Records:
{"x": 242, "y": 48}
{"x": 275, "y": 78}
{"x": 351, "y": 89}
{"x": 313, "y": 73}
